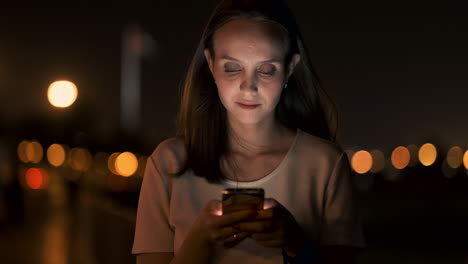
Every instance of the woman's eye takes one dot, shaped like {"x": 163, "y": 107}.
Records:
{"x": 270, "y": 73}
{"x": 267, "y": 70}
{"x": 231, "y": 68}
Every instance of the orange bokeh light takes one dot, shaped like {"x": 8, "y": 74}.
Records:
{"x": 126, "y": 164}
{"x": 362, "y": 162}
{"x": 34, "y": 152}
{"x": 455, "y": 157}
{"x": 22, "y": 151}
{"x": 400, "y": 157}
{"x": 427, "y": 154}
{"x": 465, "y": 159}
{"x": 56, "y": 155}
{"x": 111, "y": 162}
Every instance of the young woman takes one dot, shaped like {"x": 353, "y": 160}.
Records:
{"x": 252, "y": 115}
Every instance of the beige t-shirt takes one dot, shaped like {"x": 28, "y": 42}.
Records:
{"x": 313, "y": 181}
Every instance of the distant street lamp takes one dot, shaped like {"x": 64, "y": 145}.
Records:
{"x": 62, "y": 93}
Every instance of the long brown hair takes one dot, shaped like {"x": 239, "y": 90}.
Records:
{"x": 202, "y": 119}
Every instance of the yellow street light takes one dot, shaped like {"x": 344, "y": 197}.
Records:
{"x": 62, "y": 93}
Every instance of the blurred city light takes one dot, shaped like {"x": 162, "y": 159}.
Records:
{"x": 36, "y": 178}
{"x": 80, "y": 159}
{"x": 379, "y": 161}
{"x": 111, "y": 162}
{"x": 465, "y": 159}
{"x": 62, "y": 93}
{"x": 56, "y": 155}
{"x": 362, "y": 162}
{"x": 455, "y": 157}
{"x": 400, "y": 157}
{"x": 126, "y": 164}
{"x": 21, "y": 150}
{"x": 34, "y": 152}
{"x": 413, "y": 150}
{"x": 427, "y": 154}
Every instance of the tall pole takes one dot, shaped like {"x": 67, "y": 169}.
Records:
{"x": 130, "y": 91}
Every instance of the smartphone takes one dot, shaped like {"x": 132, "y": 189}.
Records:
{"x": 235, "y": 199}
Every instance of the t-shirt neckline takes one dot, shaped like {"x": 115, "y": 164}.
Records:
{"x": 247, "y": 184}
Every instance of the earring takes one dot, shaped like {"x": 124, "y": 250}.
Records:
{"x": 285, "y": 85}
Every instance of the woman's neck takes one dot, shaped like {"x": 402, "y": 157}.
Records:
{"x": 254, "y": 139}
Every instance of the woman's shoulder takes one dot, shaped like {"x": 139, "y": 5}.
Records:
{"x": 170, "y": 155}
{"x": 314, "y": 145}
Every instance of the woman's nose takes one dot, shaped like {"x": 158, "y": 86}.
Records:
{"x": 249, "y": 83}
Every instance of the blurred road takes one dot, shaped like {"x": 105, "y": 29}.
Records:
{"x": 53, "y": 230}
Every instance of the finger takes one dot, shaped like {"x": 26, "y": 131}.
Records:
{"x": 235, "y": 217}
{"x": 255, "y": 226}
{"x": 269, "y": 203}
{"x": 225, "y": 232}
{"x": 213, "y": 207}
{"x": 264, "y": 214}
{"x": 232, "y": 240}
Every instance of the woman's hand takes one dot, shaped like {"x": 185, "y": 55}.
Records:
{"x": 275, "y": 227}
{"x": 216, "y": 229}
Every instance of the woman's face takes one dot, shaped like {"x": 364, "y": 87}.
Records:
{"x": 248, "y": 68}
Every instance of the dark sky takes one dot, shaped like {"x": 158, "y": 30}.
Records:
{"x": 398, "y": 74}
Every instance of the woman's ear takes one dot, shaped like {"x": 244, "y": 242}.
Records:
{"x": 209, "y": 59}
{"x": 292, "y": 64}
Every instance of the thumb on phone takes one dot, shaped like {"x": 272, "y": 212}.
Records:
{"x": 214, "y": 207}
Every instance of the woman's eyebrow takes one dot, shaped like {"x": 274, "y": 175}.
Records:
{"x": 236, "y": 60}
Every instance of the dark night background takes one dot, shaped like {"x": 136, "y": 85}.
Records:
{"x": 398, "y": 74}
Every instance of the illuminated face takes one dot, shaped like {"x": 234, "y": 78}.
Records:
{"x": 248, "y": 68}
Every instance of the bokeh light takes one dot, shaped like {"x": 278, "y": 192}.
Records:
{"x": 427, "y": 154}
{"x": 465, "y": 159}
{"x": 361, "y": 162}
{"x": 22, "y": 151}
{"x": 80, "y": 159}
{"x": 400, "y": 157}
{"x": 126, "y": 164}
{"x": 62, "y": 93}
{"x": 413, "y": 149}
{"x": 36, "y": 178}
{"x": 56, "y": 155}
{"x": 378, "y": 161}
{"x": 34, "y": 152}
{"x": 111, "y": 162}
{"x": 455, "y": 157}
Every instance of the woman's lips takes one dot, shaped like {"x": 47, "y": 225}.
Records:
{"x": 248, "y": 106}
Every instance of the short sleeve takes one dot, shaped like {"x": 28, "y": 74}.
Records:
{"x": 153, "y": 232}
{"x": 341, "y": 222}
